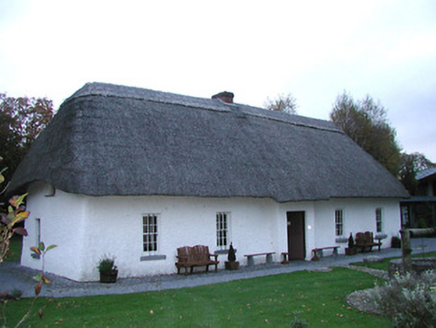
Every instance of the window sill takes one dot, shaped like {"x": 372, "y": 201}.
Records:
{"x": 153, "y": 258}
{"x": 223, "y": 251}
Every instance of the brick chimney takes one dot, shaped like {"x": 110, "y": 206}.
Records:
{"x": 225, "y": 96}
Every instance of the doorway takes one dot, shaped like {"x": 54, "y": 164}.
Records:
{"x": 296, "y": 236}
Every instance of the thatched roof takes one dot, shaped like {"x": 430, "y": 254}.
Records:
{"x": 116, "y": 140}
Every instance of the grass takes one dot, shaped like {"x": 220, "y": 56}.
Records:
{"x": 14, "y": 249}
{"x": 384, "y": 265}
{"x": 271, "y": 301}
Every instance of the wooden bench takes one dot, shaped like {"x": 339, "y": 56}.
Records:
{"x": 365, "y": 241}
{"x": 250, "y": 257}
{"x": 319, "y": 252}
{"x": 190, "y": 257}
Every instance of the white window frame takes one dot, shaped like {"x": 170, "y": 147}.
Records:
{"x": 150, "y": 233}
{"x": 339, "y": 222}
{"x": 223, "y": 230}
{"x": 379, "y": 219}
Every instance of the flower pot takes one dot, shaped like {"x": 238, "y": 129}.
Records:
{"x": 350, "y": 251}
{"x": 231, "y": 265}
{"x": 108, "y": 277}
{"x": 395, "y": 242}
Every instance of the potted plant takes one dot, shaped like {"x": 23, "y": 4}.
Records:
{"x": 231, "y": 264}
{"x": 395, "y": 242}
{"x": 351, "y": 250}
{"x": 108, "y": 269}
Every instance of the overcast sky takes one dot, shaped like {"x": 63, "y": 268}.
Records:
{"x": 255, "y": 49}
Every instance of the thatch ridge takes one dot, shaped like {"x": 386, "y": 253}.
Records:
{"x": 115, "y": 140}
{"x": 119, "y": 91}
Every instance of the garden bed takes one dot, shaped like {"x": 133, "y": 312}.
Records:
{"x": 419, "y": 265}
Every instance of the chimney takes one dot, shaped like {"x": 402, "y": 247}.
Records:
{"x": 225, "y": 96}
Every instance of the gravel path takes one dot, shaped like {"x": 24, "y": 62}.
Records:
{"x": 15, "y": 277}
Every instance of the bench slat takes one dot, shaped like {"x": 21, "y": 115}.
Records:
{"x": 268, "y": 253}
{"x": 190, "y": 257}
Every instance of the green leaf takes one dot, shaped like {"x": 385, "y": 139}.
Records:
{"x": 2, "y": 178}
{"x": 38, "y": 277}
{"x": 16, "y": 201}
{"x": 41, "y": 246}
{"x": 51, "y": 247}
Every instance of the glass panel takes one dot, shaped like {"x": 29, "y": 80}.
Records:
{"x": 150, "y": 232}
{"x": 379, "y": 220}
{"x": 339, "y": 223}
{"x": 222, "y": 229}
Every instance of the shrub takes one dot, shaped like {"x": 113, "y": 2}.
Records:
{"x": 232, "y": 255}
{"x": 409, "y": 300}
{"x": 350, "y": 241}
{"x": 16, "y": 213}
{"x": 422, "y": 224}
{"x": 107, "y": 264}
{"x": 16, "y": 293}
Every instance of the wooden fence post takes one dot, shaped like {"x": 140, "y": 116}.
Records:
{"x": 406, "y": 234}
{"x": 406, "y": 250}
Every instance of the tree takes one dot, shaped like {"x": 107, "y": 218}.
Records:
{"x": 21, "y": 121}
{"x": 282, "y": 103}
{"x": 365, "y": 122}
{"x": 410, "y": 165}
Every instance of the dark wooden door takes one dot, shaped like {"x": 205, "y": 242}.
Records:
{"x": 296, "y": 236}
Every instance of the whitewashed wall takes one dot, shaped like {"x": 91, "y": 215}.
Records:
{"x": 62, "y": 223}
{"x": 86, "y": 228}
{"x": 181, "y": 221}
{"x": 359, "y": 216}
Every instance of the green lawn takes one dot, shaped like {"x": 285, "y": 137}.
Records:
{"x": 266, "y": 301}
{"x": 15, "y": 249}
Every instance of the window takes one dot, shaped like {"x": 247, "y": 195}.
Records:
{"x": 339, "y": 222}
{"x": 379, "y": 219}
{"x": 37, "y": 238}
{"x": 149, "y": 223}
{"x": 38, "y": 231}
{"x": 222, "y": 230}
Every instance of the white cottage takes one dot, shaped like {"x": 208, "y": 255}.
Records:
{"x": 137, "y": 173}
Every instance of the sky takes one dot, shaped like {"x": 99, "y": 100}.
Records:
{"x": 314, "y": 50}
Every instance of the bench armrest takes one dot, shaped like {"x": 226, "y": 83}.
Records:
{"x": 214, "y": 255}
